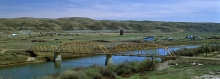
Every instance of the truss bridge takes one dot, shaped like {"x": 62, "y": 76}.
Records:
{"x": 129, "y": 49}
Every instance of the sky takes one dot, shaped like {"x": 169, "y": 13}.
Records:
{"x": 156, "y": 10}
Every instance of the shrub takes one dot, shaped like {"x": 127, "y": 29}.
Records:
{"x": 111, "y": 67}
{"x": 79, "y": 68}
{"x": 123, "y": 68}
{"x": 82, "y": 75}
{"x": 148, "y": 65}
{"x": 69, "y": 74}
{"x": 200, "y": 50}
{"x": 187, "y": 52}
{"x": 96, "y": 66}
{"x": 109, "y": 71}
{"x": 144, "y": 65}
{"x": 94, "y": 73}
{"x": 127, "y": 67}
{"x": 133, "y": 65}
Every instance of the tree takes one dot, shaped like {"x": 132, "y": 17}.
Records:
{"x": 207, "y": 49}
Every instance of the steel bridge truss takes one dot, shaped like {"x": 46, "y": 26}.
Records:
{"x": 83, "y": 47}
{"x": 131, "y": 49}
{"x": 141, "y": 49}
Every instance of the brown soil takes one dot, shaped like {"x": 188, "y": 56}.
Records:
{"x": 2, "y": 50}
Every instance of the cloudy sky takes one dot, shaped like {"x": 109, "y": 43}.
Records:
{"x": 158, "y": 10}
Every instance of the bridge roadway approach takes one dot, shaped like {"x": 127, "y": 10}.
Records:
{"x": 130, "y": 49}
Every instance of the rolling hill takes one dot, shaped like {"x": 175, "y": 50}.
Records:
{"x": 80, "y": 23}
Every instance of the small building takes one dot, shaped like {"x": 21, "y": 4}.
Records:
{"x": 30, "y": 33}
{"x": 149, "y": 39}
{"x": 56, "y": 39}
{"x": 70, "y": 38}
{"x": 170, "y": 39}
{"x": 121, "y": 32}
{"x": 14, "y": 34}
{"x": 189, "y": 37}
{"x": 192, "y": 37}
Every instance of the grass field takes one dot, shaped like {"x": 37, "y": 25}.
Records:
{"x": 24, "y": 41}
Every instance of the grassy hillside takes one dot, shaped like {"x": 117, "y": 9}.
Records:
{"x": 79, "y": 23}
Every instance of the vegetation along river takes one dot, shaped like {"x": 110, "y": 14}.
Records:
{"x": 35, "y": 70}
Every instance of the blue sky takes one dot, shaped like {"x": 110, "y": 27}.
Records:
{"x": 157, "y": 10}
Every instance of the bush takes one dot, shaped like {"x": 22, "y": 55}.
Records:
{"x": 144, "y": 65}
{"x": 123, "y": 68}
{"x": 93, "y": 73}
{"x": 79, "y": 68}
{"x": 82, "y": 75}
{"x": 133, "y": 65}
{"x": 55, "y": 74}
{"x": 69, "y": 74}
{"x": 187, "y": 52}
{"x": 128, "y": 67}
{"x": 98, "y": 67}
{"x": 200, "y": 50}
{"x": 109, "y": 71}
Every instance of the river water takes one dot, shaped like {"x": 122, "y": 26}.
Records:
{"x": 35, "y": 70}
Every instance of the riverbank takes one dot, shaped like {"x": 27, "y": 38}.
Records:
{"x": 191, "y": 68}
{"x": 181, "y": 71}
{"x": 20, "y": 63}
{"x": 28, "y": 59}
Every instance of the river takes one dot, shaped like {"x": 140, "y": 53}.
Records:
{"x": 35, "y": 70}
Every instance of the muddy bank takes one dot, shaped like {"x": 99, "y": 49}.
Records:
{"x": 19, "y": 63}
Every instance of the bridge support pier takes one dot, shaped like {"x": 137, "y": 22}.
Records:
{"x": 108, "y": 59}
{"x": 57, "y": 56}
